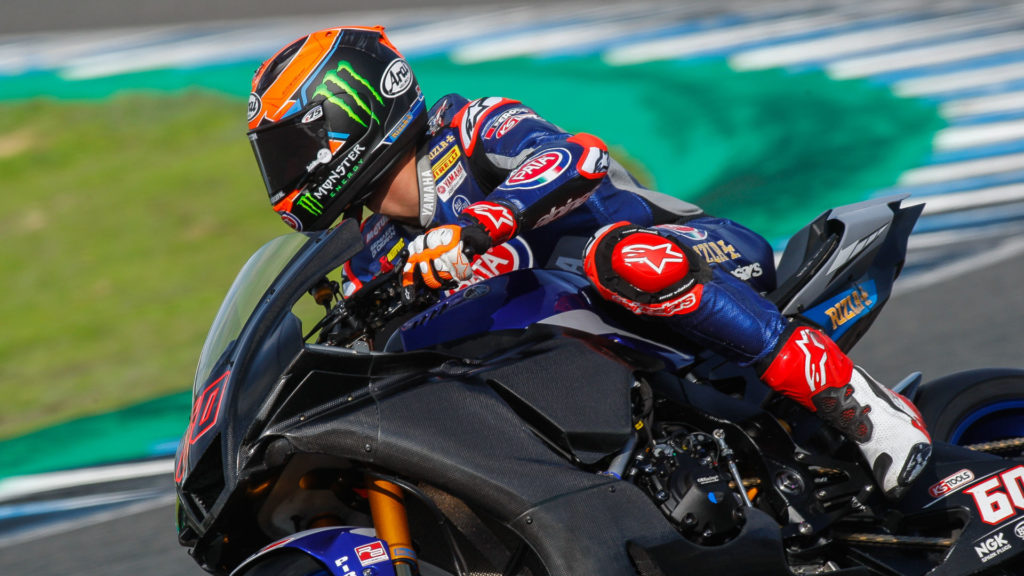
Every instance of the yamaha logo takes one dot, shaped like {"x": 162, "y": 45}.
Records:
{"x": 254, "y": 105}
{"x": 397, "y": 79}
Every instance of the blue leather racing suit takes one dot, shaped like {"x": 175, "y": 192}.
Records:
{"x": 542, "y": 193}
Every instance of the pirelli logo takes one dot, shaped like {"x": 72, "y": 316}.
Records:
{"x": 446, "y": 162}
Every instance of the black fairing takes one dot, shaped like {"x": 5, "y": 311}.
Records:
{"x": 504, "y": 435}
{"x": 225, "y": 404}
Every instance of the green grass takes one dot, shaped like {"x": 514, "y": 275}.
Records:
{"x": 124, "y": 219}
{"x": 122, "y": 225}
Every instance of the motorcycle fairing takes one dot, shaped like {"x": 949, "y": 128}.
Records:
{"x": 839, "y": 270}
{"x": 520, "y": 299}
{"x": 255, "y": 350}
{"x": 507, "y": 435}
{"x": 335, "y": 551}
{"x": 968, "y": 554}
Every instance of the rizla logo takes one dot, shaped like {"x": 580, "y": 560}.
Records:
{"x": 361, "y": 112}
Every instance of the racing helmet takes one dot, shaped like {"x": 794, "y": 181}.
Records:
{"x": 329, "y": 116}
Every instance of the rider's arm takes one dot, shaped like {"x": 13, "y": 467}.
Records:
{"x": 539, "y": 171}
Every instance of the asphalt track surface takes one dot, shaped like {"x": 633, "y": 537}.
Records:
{"x": 969, "y": 319}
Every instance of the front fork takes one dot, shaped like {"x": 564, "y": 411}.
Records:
{"x": 387, "y": 507}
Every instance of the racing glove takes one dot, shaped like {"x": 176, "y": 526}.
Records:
{"x": 443, "y": 256}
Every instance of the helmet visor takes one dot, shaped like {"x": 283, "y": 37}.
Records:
{"x": 289, "y": 151}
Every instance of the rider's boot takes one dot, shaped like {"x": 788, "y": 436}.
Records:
{"x": 653, "y": 272}
{"x": 811, "y": 369}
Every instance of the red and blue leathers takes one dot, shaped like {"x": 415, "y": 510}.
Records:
{"x": 536, "y": 188}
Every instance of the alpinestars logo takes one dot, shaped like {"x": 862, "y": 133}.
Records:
{"x": 654, "y": 256}
{"x": 359, "y": 110}
{"x": 815, "y": 358}
{"x": 498, "y": 219}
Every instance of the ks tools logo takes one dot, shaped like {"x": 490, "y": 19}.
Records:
{"x": 359, "y": 110}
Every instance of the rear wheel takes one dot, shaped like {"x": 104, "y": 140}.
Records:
{"x": 978, "y": 407}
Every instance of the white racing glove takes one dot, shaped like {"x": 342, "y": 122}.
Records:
{"x": 443, "y": 256}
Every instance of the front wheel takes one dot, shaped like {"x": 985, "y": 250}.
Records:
{"x": 976, "y": 407}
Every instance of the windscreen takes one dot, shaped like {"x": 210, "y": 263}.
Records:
{"x": 252, "y": 282}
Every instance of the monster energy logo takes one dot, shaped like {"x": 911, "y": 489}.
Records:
{"x": 312, "y": 205}
{"x": 345, "y": 87}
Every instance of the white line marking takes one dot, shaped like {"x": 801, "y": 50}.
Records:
{"x": 960, "y": 170}
{"x": 71, "y": 525}
{"x": 873, "y": 39}
{"x": 926, "y": 56}
{"x": 1006, "y": 102}
{"x": 959, "y": 137}
{"x": 537, "y": 42}
{"x": 981, "y": 198}
{"x": 961, "y": 268}
{"x": 27, "y": 509}
{"x": 18, "y": 486}
{"x": 972, "y": 78}
{"x": 720, "y": 38}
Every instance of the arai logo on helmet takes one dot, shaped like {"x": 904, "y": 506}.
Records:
{"x": 397, "y": 79}
{"x": 254, "y": 105}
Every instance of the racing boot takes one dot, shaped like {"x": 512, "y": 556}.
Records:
{"x": 811, "y": 369}
{"x": 652, "y": 272}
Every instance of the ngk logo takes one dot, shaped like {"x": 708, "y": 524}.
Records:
{"x": 952, "y": 483}
{"x": 992, "y": 547}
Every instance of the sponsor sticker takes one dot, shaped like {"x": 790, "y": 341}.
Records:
{"x": 437, "y": 119}
{"x": 951, "y": 483}
{"x": 459, "y": 204}
{"x": 371, "y": 553}
{"x": 1019, "y": 530}
{"x": 314, "y": 114}
{"x": 445, "y": 163}
{"x": 397, "y": 79}
{"x": 501, "y": 259}
{"x": 440, "y": 147}
{"x": 717, "y": 252}
{"x": 255, "y": 105}
{"x": 474, "y": 112}
{"x": 428, "y": 196}
{"x": 991, "y": 547}
{"x": 450, "y": 182}
{"x": 653, "y": 256}
{"x": 559, "y": 211}
{"x": 540, "y": 169}
{"x": 849, "y": 307}
{"x": 690, "y": 232}
{"x": 747, "y": 272}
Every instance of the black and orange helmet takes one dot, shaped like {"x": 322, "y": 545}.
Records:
{"x": 329, "y": 116}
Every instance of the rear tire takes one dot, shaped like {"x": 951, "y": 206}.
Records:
{"x": 974, "y": 406}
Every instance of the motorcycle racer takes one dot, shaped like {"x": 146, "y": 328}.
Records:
{"x": 475, "y": 188}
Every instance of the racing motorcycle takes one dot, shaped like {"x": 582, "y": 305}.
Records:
{"x": 524, "y": 426}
